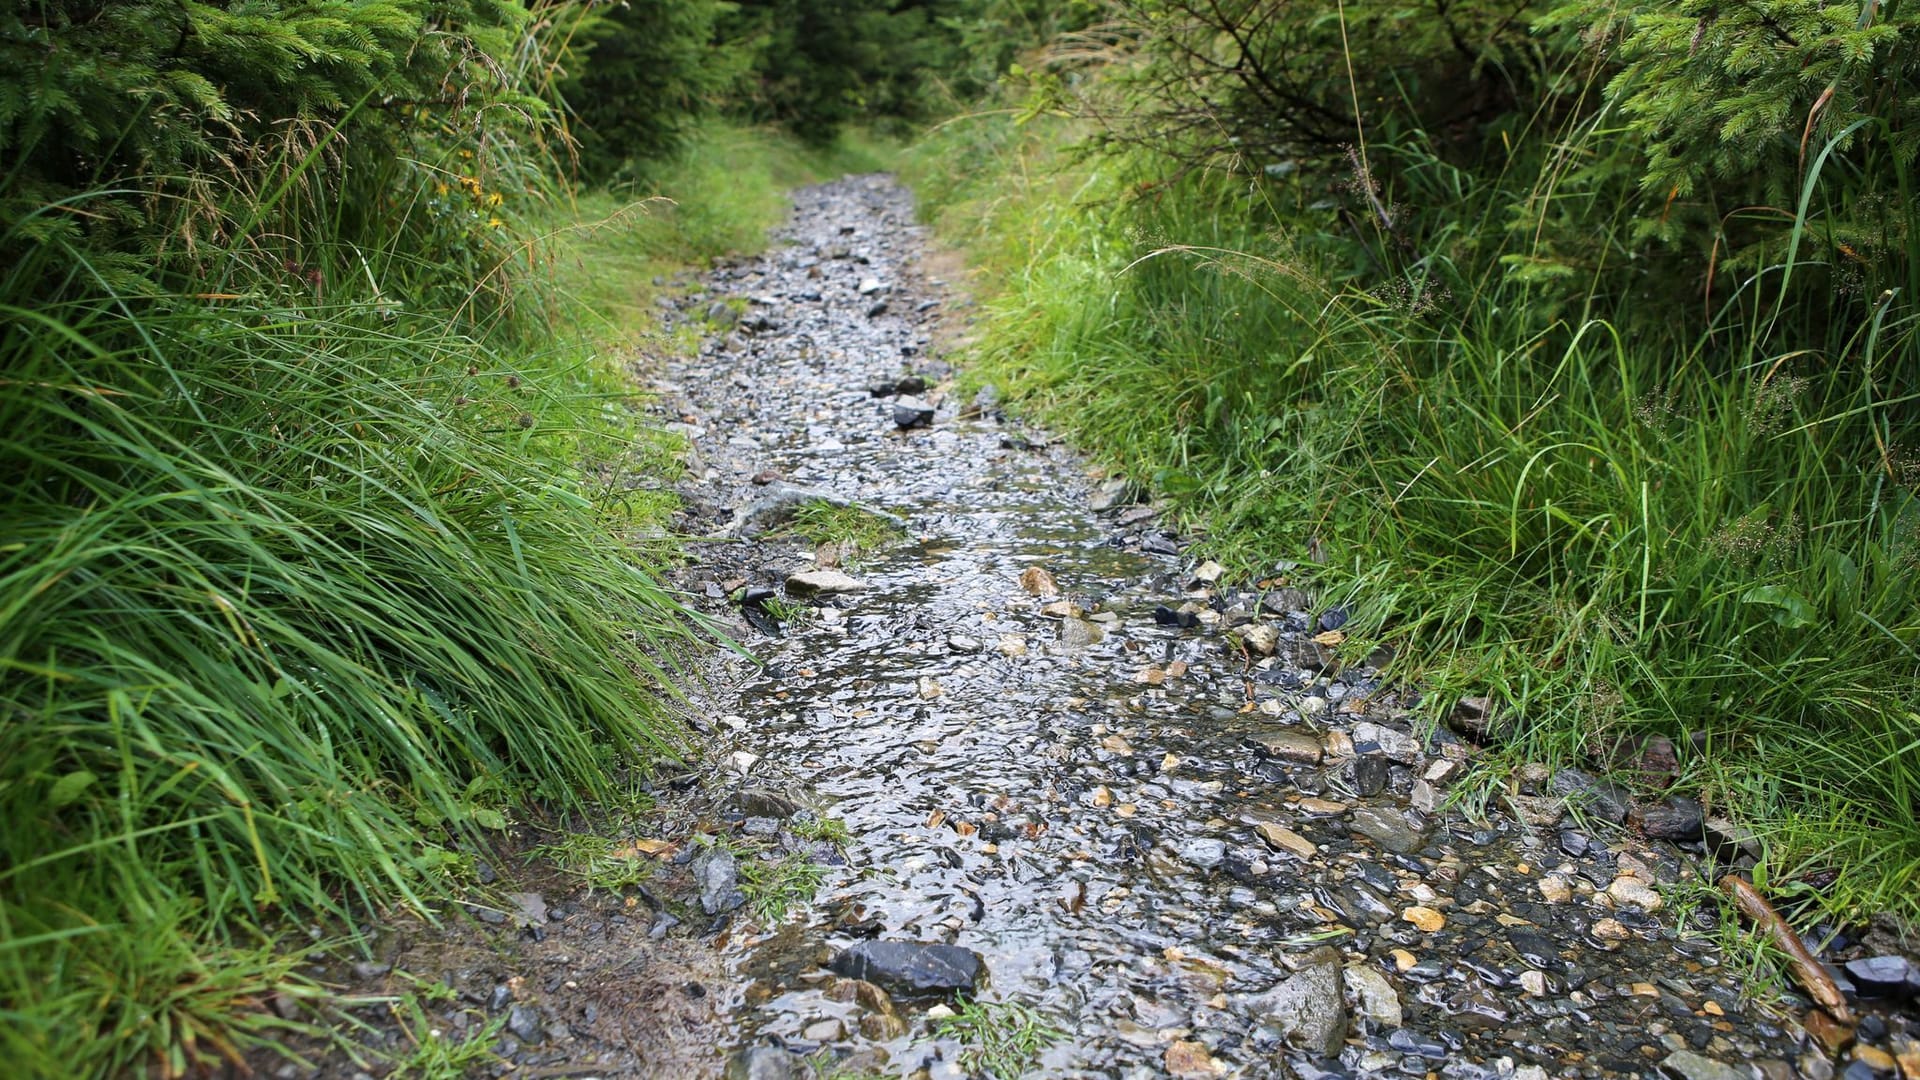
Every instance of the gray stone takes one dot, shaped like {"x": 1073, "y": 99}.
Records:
{"x": 1286, "y": 601}
{"x": 761, "y": 1063}
{"x": 718, "y": 876}
{"x": 1079, "y": 633}
{"x": 1204, "y": 852}
{"x": 1687, "y": 1065}
{"x": 1374, "y": 999}
{"x": 1377, "y": 738}
{"x": 824, "y": 583}
{"x": 1308, "y": 1009}
{"x": 721, "y": 314}
{"x": 1882, "y": 976}
{"x": 1391, "y": 829}
{"x": 1116, "y": 492}
{"x": 525, "y": 1024}
{"x": 1260, "y": 639}
{"x": 1601, "y": 798}
{"x": 910, "y": 966}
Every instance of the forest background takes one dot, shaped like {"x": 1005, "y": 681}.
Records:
{"x": 1570, "y": 345}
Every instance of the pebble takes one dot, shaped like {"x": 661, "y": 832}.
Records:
{"x": 1284, "y": 839}
{"x": 1631, "y": 890}
{"x": 1428, "y": 920}
{"x": 1188, "y": 1059}
{"x": 1297, "y": 746}
{"x": 1555, "y": 889}
{"x": 1374, "y": 998}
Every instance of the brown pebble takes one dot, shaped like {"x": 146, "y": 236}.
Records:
{"x": 1190, "y": 1059}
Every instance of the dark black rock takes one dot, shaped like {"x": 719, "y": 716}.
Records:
{"x": 1333, "y": 618}
{"x": 1677, "y": 818}
{"x": 1166, "y": 616}
{"x": 1601, "y": 798}
{"x": 910, "y": 384}
{"x": 1574, "y": 842}
{"x": 499, "y": 998}
{"x": 1370, "y": 775}
{"x": 1535, "y": 949}
{"x": 912, "y": 413}
{"x": 911, "y": 966}
{"x": 1882, "y": 976}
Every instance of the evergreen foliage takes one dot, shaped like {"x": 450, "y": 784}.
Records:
{"x": 648, "y": 70}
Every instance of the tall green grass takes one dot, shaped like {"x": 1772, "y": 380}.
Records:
{"x": 1616, "y": 531}
{"x": 312, "y": 576}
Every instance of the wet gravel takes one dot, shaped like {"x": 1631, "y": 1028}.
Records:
{"x": 1180, "y": 816}
{"x": 1171, "y": 812}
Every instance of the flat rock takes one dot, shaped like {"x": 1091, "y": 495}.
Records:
{"x": 1687, "y": 1065}
{"x": 1601, "y": 798}
{"x": 1370, "y": 738}
{"x": 910, "y": 966}
{"x": 1288, "y": 746}
{"x": 1308, "y": 1009}
{"x": 1391, "y": 829}
{"x": 1677, "y": 818}
{"x": 1882, "y": 976}
{"x": 824, "y": 583}
{"x": 1281, "y": 838}
{"x": 911, "y": 412}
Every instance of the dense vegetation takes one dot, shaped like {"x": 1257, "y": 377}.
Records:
{"x": 320, "y": 556}
{"x": 1571, "y": 345}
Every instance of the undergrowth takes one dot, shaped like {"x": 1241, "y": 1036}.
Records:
{"x": 1614, "y": 530}
{"x": 311, "y": 574}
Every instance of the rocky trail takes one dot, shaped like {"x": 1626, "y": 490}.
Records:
{"x": 1175, "y": 816}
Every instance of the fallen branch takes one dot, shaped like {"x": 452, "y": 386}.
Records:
{"x": 1806, "y": 968}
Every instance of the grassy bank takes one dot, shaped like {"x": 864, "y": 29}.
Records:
{"x": 1617, "y": 531}
{"x": 313, "y": 572}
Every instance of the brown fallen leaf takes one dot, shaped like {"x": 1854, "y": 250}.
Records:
{"x": 1330, "y": 638}
{"x": 1814, "y": 978}
{"x": 654, "y": 848}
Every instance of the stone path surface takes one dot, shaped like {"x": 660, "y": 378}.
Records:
{"x": 1180, "y": 817}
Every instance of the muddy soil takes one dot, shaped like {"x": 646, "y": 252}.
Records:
{"x": 1183, "y": 818}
